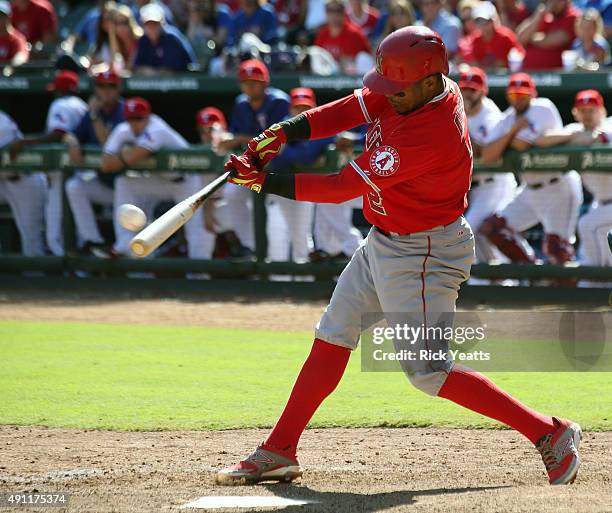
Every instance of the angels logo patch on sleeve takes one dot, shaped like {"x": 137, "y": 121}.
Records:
{"x": 384, "y": 161}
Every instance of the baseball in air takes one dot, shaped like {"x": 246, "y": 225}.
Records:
{"x": 131, "y": 217}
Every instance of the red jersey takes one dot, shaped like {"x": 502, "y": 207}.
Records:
{"x": 368, "y": 21}
{"x": 35, "y": 20}
{"x": 348, "y": 43}
{"x": 416, "y": 169}
{"x": 11, "y": 44}
{"x": 488, "y": 54}
{"x": 546, "y": 58}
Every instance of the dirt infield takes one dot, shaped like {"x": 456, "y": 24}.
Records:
{"x": 346, "y": 470}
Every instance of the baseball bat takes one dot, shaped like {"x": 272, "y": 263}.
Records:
{"x": 154, "y": 235}
{"x": 610, "y": 239}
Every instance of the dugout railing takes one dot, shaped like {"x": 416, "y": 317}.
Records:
{"x": 200, "y": 159}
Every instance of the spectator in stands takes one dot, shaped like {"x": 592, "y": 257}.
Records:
{"x": 127, "y": 34}
{"x": 512, "y": 12}
{"x": 13, "y": 45}
{"x": 137, "y": 139}
{"x": 341, "y": 38}
{"x": 256, "y": 17}
{"x": 401, "y": 14}
{"x": 315, "y": 16}
{"x": 106, "y": 41}
{"x": 465, "y": 10}
{"x": 362, "y": 14}
{"x": 490, "y": 44}
{"x": 162, "y": 49}
{"x": 291, "y": 15}
{"x": 437, "y": 18}
{"x": 25, "y": 194}
{"x": 604, "y": 8}
{"x": 65, "y": 112}
{"x": 87, "y": 188}
{"x": 590, "y": 128}
{"x": 137, "y": 6}
{"x": 36, "y": 20}
{"x": 208, "y": 25}
{"x": 258, "y": 107}
{"x": 551, "y": 198}
{"x": 87, "y": 29}
{"x": 592, "y": 48}
{"x": 547, "y": 33}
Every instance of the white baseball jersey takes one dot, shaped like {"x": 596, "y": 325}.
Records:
{"x": 599, "y": 184}
{"x": 542, "y": 116}
{"x": 9, "y": 131}
{"x": 481, "y": 124}
{"x": 157, "y": 135}
{"x": 65, "y": 113}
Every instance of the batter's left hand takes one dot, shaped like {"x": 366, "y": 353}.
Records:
{"x": 245, "y": 173}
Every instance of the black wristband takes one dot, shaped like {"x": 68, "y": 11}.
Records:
{"x": 281, "y": 185}
{"x": 296, "y": 129}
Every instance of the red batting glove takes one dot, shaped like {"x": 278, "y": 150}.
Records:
{"x": 267, "y": 145}
{"x": 245, "y": 173}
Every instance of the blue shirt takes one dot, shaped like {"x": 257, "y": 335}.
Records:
{"x": 87, "y": 29}
{"x": 172, "y": 51}
{"x": 449, "y": 27}
{"x": 603, "y": 6}
{"x": 86, "y": 134}
{"x": 262, "y": 23}
{"x": 246, "y": 121}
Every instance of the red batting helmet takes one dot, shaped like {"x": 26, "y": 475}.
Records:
{"x": 404, "y": 57}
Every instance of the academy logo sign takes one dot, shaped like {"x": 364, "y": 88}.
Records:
{"x": 545, "y": 161}
{"x": 384, "y": 161}
{"x": 596, "y": 159}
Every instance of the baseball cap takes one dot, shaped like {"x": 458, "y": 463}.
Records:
{"x": 485, "y": 11}
{"x": 5, "y": 8}
{"x": 64, "y": 80}
{"x": 136, "y": 108}
{"x": 303, "y": 96}
{"x": 254, "y": 69}
{"x": 151, "y": 12}
{"x": 108, "y": 77}
{"x": 210, "y": 116}
{"x": 588, "y": 98}
{"x": 473, "y": 78}
{"x": 521, "y": 83}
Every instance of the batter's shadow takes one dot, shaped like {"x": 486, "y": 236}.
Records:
{"x": 337, "y": 502}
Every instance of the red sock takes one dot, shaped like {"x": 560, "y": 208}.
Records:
{"x": 318, "y": 378}
{"x": 478, "y": 393}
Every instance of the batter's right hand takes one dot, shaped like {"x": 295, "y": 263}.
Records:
{"x": 245, "y": 173}
{"x": 267, "y": 145}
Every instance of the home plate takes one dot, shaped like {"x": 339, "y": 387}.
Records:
{"x": 248, "y": 501}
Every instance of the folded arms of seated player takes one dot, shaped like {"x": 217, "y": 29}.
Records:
{"x": 125, "y": 157}
{"x": 494, "y": 150}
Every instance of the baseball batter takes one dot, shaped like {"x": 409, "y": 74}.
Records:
{"x": 552, "y": 198}
{"x": 25, "y": 193}
{"x": 490, "y": 192}
{"x": 414, "y": 176}
{"x": 590, "y": 127}
{"x": 65, "y": 113}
